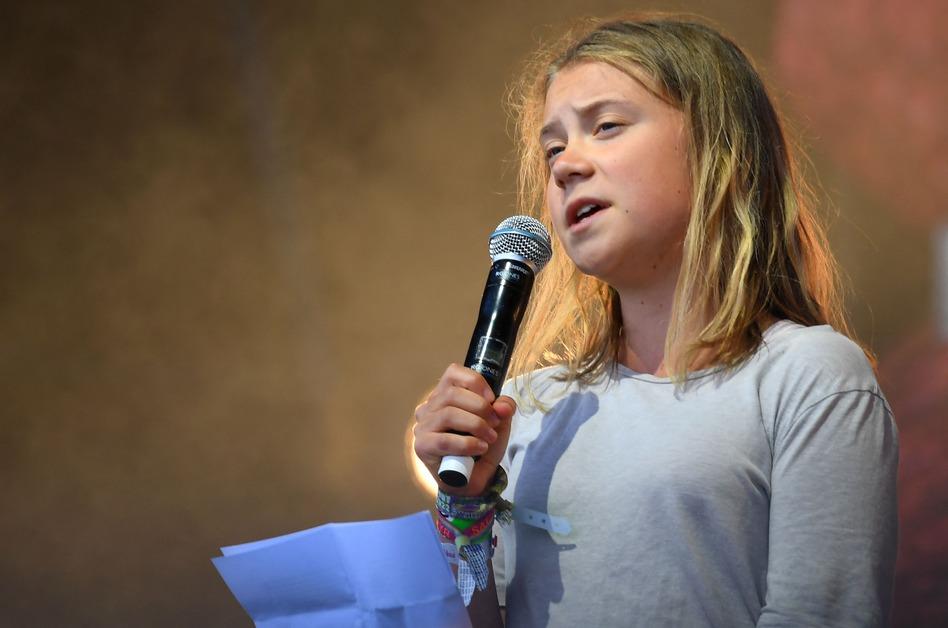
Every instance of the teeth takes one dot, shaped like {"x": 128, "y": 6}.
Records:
{"x": 585, "y": 210}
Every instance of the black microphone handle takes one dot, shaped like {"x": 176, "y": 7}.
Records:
{"x": 502, "y": 308}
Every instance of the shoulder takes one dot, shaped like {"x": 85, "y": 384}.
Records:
{"x": 805, "y": 368}
{"x": 814, "y": 353}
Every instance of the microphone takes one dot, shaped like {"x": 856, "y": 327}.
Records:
{"x": 519, "y": 248}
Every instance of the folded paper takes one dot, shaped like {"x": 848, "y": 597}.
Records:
{"x": 367, "y": 574}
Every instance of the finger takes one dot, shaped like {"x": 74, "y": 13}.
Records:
{"x": 481, "y": 476}
{"x": 466, "y": 378}
{"x": 433, "y": 446}
{"x": 456, "y": 420}
{"x": 495, "y": 452}
{"x": 463, "y": 399}
{"x": 505, "y": 407}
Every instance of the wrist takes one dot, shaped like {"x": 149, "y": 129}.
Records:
{"x": 456, "y": 505}
{"x": 465, "y": 524}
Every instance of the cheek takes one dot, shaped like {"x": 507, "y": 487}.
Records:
{"x": 554, "y": 206}
{"x": 670, "y": 188}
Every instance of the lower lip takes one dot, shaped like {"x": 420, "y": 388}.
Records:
{"x": 582, "y": 225}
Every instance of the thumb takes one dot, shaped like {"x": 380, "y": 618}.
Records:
{"x": 505, "y": 407}
{"x": 484, "y": 469}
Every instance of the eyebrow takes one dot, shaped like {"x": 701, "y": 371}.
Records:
{"x": 584, "y": 110}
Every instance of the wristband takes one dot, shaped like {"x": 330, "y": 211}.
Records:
{"x": 468, "y": 523}
{"x": 475, "y": 507}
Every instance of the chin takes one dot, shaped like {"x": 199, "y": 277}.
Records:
{"x": 596, "y": 271}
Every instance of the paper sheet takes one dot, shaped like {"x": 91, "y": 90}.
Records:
{"x": 371, "y": 574}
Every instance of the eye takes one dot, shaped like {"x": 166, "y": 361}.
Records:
{"x": 604, "y": 127}
{"x": 553, "y": 151}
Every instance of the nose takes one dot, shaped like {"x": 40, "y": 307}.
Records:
{"x": 571, "y": 164}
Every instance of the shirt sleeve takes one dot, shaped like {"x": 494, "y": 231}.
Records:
{"x": 833, "y": 514}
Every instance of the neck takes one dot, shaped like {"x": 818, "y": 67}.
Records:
{"x": 645, "y": 317}
{"x": 646, "y": 312}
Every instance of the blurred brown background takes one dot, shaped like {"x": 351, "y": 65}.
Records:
{"x": 240, "y": 239}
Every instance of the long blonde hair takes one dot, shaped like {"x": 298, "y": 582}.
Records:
{"x": 754, "y": 246}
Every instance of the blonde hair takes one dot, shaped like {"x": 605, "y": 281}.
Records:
{"x": 754, "y": 246}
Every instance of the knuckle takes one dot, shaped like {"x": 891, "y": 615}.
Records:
{"x": 444, "y": 442}
{"x": 452, "y": 396}
{"x": 464, "y": 375}
{"x": 420, "y": 410}
{"x": 435, "y": 400}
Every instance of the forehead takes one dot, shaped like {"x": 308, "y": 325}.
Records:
{"x": 589, "y": 81}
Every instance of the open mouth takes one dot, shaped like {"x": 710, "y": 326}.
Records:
{"x": 586, "y": 211}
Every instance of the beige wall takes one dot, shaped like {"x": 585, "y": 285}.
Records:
{"x": 238, "y": 242}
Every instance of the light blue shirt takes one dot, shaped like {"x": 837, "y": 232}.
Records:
{"x": 761, "y": 496}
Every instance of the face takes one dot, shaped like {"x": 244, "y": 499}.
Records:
{"x": 619, "y": 189}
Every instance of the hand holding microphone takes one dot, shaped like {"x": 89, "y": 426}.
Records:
{"x": 463, "y": 417}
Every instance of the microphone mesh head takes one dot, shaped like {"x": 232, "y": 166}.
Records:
{"x": 521, "y": 236}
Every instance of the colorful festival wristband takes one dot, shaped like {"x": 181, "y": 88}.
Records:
{"x": 468, "y": 523}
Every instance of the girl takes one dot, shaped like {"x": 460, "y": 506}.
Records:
{"x": 697, "y": 442}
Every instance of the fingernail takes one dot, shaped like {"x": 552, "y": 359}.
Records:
{"x": 493, "y": 435}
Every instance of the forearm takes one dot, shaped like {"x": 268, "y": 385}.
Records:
{"x": 484, "y": 610}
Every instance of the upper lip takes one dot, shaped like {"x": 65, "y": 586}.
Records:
{"x": 573, "y": 208}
